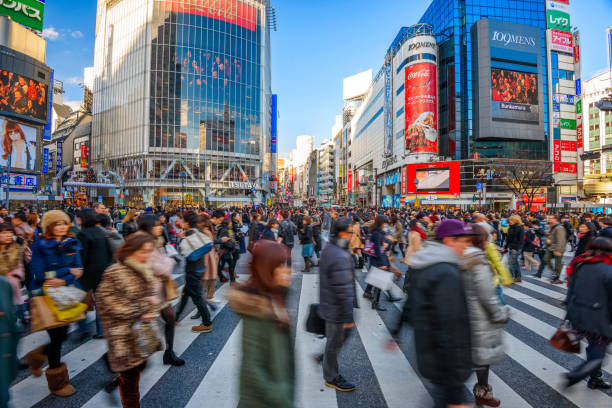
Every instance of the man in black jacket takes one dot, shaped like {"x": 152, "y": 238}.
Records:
{"x": 287, "y": 231}
{"x": 338, "y": 298}
{"x": 439, "y": 313}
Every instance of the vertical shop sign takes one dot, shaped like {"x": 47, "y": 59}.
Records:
{"x": 388, "y": 108}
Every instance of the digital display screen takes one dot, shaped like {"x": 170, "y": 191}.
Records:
{"x": 514, "y": 95}
{"x": 18, "y": 147}
{"x": 23, "y": 96}
{"x": 434, "y": 179}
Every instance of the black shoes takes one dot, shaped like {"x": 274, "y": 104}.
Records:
{"x": 340, "y": 384}
{"x": 596, "y": 383}
{"x": 171, "y": 359}
{"x": 367, "y": 295}
{"x": 556, "y": 281}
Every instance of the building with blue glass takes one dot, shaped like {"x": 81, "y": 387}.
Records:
{"x": 453, "y": 22}
{"x": 182, "y": 100}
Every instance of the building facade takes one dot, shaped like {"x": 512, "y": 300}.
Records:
{"x": 182, "y": 100}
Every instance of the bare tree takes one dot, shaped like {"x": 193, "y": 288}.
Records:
{"x": 523, "y": 177}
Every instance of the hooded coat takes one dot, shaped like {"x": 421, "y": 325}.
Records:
{"x": 439, "y": 313}
{"x": 487, "y": 315}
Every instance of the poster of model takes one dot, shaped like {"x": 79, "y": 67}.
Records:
{"x": 421, "y": 108}
{"x": 18, "y": 145}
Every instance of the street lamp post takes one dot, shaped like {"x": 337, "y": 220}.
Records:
{"x": 416, "y": 191}
{"x": 182, "y": 175}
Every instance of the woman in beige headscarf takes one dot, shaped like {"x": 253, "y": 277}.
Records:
{"x": 356, "y": 244}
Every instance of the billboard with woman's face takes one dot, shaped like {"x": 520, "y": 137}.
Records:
{"x": 18, "y": 147}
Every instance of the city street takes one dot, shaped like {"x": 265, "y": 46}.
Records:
{"x": 530, "y": 375}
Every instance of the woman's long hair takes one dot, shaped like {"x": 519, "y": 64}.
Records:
{"x": 7, "y": 143}
{"x": 267, "y": 256}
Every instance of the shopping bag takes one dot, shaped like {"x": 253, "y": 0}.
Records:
{"x": 65, "y": 297}
{"x": 564, "y": 339}
{"x": 314, "y": 323}
{"x": 170, "y": 289}
{"x": 369, "y": 247}
{"x": 379, "y": 278}
{"x": 42, "y": 316}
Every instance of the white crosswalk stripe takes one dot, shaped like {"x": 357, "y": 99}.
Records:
{"x": 397, "y": 381}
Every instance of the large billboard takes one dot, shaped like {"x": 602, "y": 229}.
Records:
{"x": 514, "y": 91}
{"x": 421, "y": 108}
{"x": 388, "y": 113}
{"x": 18, "y": 147}
{"x": 30, "y": 13}
{"x": 441, "y": 177}
{"x": 23, "y": 96}
{"x": 230, "y": 11}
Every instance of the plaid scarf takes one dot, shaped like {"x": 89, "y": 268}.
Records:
{"x": 587, "y": 257}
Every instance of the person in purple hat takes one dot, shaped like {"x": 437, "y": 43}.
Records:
{"x": 439, "y": 313}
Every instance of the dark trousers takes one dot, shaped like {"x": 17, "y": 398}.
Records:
{"x": 231, "y": 260}
{"x": 129, "y": 386}
{"x": 547, "y": 261}
{"x": 193, "y": 290}
{"x": 53, "y": 350}
{"x": 515, "y": 267}
{"x": 596, "y": 351}
{"x": 336, "y": 337}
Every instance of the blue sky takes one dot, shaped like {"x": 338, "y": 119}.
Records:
{"x": 318, "y": 43}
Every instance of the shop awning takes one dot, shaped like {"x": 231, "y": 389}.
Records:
{"x": 454, "y": 202}
{"x": 32, "y": 197}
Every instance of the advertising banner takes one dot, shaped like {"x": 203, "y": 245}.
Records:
{"x": 45, "y": 163}
{"x": 561, "y": 41}
{"x": 562, "y": 98}
{"x": 18, "y": 145}
{"x": 388, "y": 113}
{"x": 350, "y": 180}
{"x": 557, "y": 155}
{"x": 579, "y": 136}
{"x": 404, "y": 180}
{"x": 568, "y": 168}
{"x": 568, "y": 146}
{"x": 569, "y": 124}
{"x": 47, "y": 128}
{"x": 84, "y": 155}
{"x": 578, "y": 87}
{"x": 556, "y": 5}
{"x": 442, "y": 177}
{"x": 558, "y": 20}
{"x": 421, "y": 108}
{"x": 230, "y": 11}
{"x": 58, "y": 155}
{"x": 19, "y": 181}
{"x": 30, "y": 13}
{"x": 23, "y": 96}
{"x": 274, "y": 124}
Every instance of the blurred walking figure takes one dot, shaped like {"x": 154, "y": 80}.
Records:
{"x": 514, "y": 243}
{"x": 356, "y": 243}
{"x": 306, "y": 240}
{"x": 9, "y": 337}
{"x": 338, "y": 298}
{"x": 589, "y": 308}
{"x": 439, "y": 313}
{"x": 125, "y": 298}
{"x": 487, "y": 315}
{"x": 556, "y": 241}
{"x": 267, "y": 372}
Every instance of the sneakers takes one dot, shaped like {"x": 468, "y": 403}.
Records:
{"x": 213, "y": 301}
{"x": 556, "y": 281}
{"x": 518, "y": 280}
{"x": 340, "y": 384}
{"x": 202, "y": 328}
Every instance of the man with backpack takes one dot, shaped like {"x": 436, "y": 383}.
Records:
{"x": 287, "y": 231}
{"x": 556, "y": 241}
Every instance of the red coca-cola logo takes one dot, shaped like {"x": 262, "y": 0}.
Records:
{"x": 419, "y": 78}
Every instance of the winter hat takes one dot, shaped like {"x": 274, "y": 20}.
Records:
{"x": 452, "y": 228}
{"x": 53, "y": 216}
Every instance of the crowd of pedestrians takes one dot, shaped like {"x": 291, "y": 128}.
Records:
{"x": 454, "y": 265}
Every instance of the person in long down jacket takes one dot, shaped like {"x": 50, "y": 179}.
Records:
{"x": 589, "y": 308}
{"x": 55, "y": 262}
{"x": 126, "y": 296}
{"x": 96, "y": 256}
{"x": 487, "y": 315}
{"x": 267, "y": 370}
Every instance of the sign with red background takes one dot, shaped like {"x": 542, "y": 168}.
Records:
{"x": 404, "y": 180}
{"x": 557, "y": 155}
{"x": 350, "y": 180}
{"x": 561, "y": 41}
{"x": 230, "y": 11}
{"x": 568, "y": 167}
{"x": 568, "y": 146}
{"x": 580, "y": 135}
{"x": 421, "y": 107}
{"x": 454, "y": 179}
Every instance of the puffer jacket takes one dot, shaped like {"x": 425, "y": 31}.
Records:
{"x": 515, "y": 238}
{"x": 501, "y": 274}
{"x": 51, "y": 255}
{"x": 487, "y": 315}
{"x": 338, "y": 295}
{"x": 558, "y": 238}
{"x": 439, "y": 313}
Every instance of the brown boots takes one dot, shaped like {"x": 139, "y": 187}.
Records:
{"x": 36, "y": 358}
{"x": 484, "y": 396}
{"x": 307, "y": 264}
{"x": 59, "y": 382}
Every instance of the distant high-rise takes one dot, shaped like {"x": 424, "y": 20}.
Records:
{"x": 182, "y": 97}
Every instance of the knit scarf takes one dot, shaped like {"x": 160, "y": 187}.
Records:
{"x": 143, "y": 270}
{"x": 10, "y": 258}
{"x": 588, "y": 257}
{"x": 420, "y": 231}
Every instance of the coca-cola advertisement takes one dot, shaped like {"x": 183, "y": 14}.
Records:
{"x": 421, "y": 108}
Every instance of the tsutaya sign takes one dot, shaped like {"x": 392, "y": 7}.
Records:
{"x": 27, "y": 12}
{"x": 508, "y": 38}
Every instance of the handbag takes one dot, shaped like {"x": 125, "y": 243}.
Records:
{"x": 43, "y": 317}
{"x": 368, "y": 248}
{"x": 564, "y": 339}
{"x": 171, "y": 250}
{"x": 146, "y": 338}
{"x": 379, "y": 278}
{"x": 314, "y": 323}
{"x": 170, "y": 289}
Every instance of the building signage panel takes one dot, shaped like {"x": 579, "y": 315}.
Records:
{"x": 45, "y": 163}
{"x": 568, "y": 146}
{"x": 274, "y": 124}
{"x": 567, "y": 124}
{"x": 568, "y": 168}
{"x": 579, "y": 135}
{"x": 30, "y": 13}
{"x": 421, "y": 106}
{"x": 47, "y": 128}
{"x": 558, "y": 20}
{"x": 19, "y": 181}
{"x": 562, "y": 98}
{"x": 18, "y": 146}
{"x": 561, "y": 41}
{"x": 230, "y": 11}
{"x": 404, "y": 180}
{"x": 442, "y": 177}
{"x": 388, "y": 113}
{"x": 556, "y": 5}
{"x": 58, "y": 154}
{"x": 557, "y": 155}
{"x": 578, "y": 87}
{"x": 579, "y": 106}
{"x": 556, "y": 106}
{"x": 84, "y": 155}
{"x": 507, "y": 38}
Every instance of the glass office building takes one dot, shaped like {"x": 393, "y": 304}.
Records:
{"x": 452, "y": 21}
{"x": 182, "y": 99}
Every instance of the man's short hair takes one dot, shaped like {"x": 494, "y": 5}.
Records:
{"x": 218, "y": 213}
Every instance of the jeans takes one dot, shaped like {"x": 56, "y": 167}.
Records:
{"x": 193, "y": 290}
{"x": 336, "y": 337}
{"x": 500, "y": 294}
{"x": 515, "y": 267}
{"x": 596, "y": 351}
{"x": 548, "y": 257}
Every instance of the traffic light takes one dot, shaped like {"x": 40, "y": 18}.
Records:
{"x": 33, "y": 190}
{"x": 474, "y": 198}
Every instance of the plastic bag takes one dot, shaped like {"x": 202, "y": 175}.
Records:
{"x": 65, "y": 297}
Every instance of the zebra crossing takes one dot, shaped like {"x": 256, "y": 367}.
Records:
{"x": 530, "y": 375}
